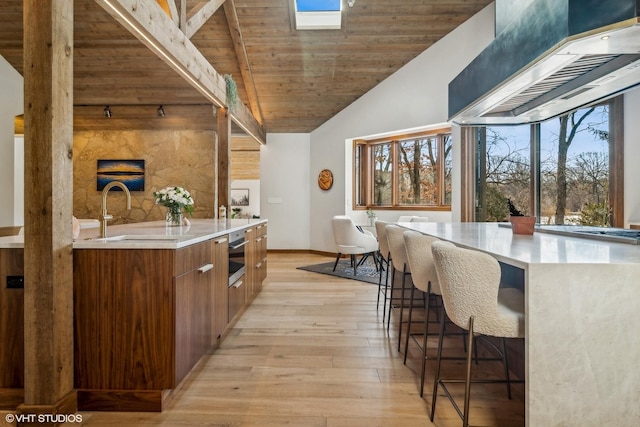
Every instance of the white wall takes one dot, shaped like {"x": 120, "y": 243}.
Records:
{"x": 253, "y": 185}
{"x": 11, "y": 105}
{"x": 413, "y": 97}
{"x": 18, "y": 185}
{"x": 631, "y": 157}
{"x": 284, "y": 195}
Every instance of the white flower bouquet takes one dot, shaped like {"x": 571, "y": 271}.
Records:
{"x": 175, "y": 198}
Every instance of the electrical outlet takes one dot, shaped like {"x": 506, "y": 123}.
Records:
{"x": 15, "y": 282}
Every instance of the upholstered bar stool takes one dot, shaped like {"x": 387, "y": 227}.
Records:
{"x": 395, "y": 240}
{"x": 425, "y": 279}
{"x": 381, "y": 232}
{"x": 473, "y": 300}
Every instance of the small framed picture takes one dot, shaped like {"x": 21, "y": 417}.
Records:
{"x": 240, "y": 197}
{"x": 129, "y": 172}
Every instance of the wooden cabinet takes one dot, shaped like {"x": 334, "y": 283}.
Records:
{"x": 261, "y": 255}
{"x": 250, "y": 260}
{"x": 11, "y": 328}
{"x": 243, "y": 291}
{"x": 144, "y": 317}
{"x": 220, "y": 303}
{"x": 142, "y": 320}
{"x": 193, "y": 331}
{"x": 237, "y": 296}
{"x": 256, "y": 259}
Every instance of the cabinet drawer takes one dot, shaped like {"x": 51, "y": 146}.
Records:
{"x": 192, "y": 257}
{"x": 261, "y": 230}
{"x": 237, "y": 297}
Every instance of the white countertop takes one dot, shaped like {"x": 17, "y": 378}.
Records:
{"x": 581, "y": 321}
{"x": 8, "y": 242}
{"x": 522, "y": 250}
{"x": 149, "y": 235}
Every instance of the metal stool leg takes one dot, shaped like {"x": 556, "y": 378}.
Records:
{"x": 427, "y": 301}
{"x": 404, "y": 276}
{"x": 386, "y": 285}
{"x": 506, "y": 366}
{"x": 393, "y": 285}
{"x": 467, "y": 384}
{"x": 406, "y": 340}
{"x": 436, "y": 378}
{"x": 336, "y": 263}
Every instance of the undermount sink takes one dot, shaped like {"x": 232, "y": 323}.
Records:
{"x": 140, "y": 238}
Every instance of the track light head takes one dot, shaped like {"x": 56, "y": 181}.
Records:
{"x": 107, "y": 112}
{"x": 161, "y": 112}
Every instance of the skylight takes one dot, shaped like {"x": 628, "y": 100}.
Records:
{"x": 318, "y": 14}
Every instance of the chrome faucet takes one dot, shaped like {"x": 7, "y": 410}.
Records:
{"x": 105, "y": 216}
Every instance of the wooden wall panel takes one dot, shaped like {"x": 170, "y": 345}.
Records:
{"x": 245, "y": 165}
{"x": 245, "y": 157}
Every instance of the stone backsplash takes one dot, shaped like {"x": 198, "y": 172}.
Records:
{"x": 184, "y": 158}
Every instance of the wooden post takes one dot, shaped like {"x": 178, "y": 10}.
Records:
{"x": 224, "y": 158}
{"x": 48, "y": 253}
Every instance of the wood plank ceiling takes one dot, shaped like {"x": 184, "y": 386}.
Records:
{"x": 301, "y": 78}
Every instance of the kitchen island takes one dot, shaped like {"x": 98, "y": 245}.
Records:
{"x": 149, "y": 301}
{"x": 582, "y": 307}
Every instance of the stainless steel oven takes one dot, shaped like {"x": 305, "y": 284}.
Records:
{"x": 237, "y": 244}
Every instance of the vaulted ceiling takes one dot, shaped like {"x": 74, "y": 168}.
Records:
{"x": 293, "y": 81}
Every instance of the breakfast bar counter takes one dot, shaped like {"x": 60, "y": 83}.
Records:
{"x": 582, "y": 306}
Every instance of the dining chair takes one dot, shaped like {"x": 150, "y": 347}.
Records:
{"x": 352, "y": 241}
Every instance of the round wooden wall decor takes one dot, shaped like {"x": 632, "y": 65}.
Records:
{"x": 325, "y": 179}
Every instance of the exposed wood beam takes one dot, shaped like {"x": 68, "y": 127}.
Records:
{"x": 169, "y": 7}
{"x": 165, "y": 39}
{"x": 182, "y": 13}
{"x": 48, "y": 252}
{"x": 224, "y": 157}
{"x": 175, "y": 16}
{"x": 243, "y": 59}
{"x": 201, "y": 14}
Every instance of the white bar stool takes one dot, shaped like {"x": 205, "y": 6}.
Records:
{"x": 473, "y": 300}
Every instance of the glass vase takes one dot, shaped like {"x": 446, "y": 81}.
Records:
{"x": 174, "y": 216}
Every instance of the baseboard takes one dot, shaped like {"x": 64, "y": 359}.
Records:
{"x": 301, "y": 251}
{"x": 66, "y": 405}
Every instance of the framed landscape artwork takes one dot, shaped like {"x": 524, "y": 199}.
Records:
{"x": 129, "y": 172}
{"x": 240, "y": 197}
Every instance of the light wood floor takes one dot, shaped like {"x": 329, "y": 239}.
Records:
{"x": 311, "y": 351}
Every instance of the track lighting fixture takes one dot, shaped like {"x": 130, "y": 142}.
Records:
{"x": 351, "y": 2}
{"x": 107, "y": 112}
{"x": 161, "y": 111}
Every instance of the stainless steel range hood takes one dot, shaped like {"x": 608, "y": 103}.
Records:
{"x": 554, "y": 57}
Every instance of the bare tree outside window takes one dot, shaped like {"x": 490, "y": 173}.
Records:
{"x": 574, "y": 169}
{"x": 507, "y": 171}
{"x": 409, "y": 171}
{"x": 418, "y": 172}
{"x": 575, "y": 183}
{"x": 382, "y": 174}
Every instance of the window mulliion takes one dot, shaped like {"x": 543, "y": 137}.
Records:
{"x": 404, "y": 171}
